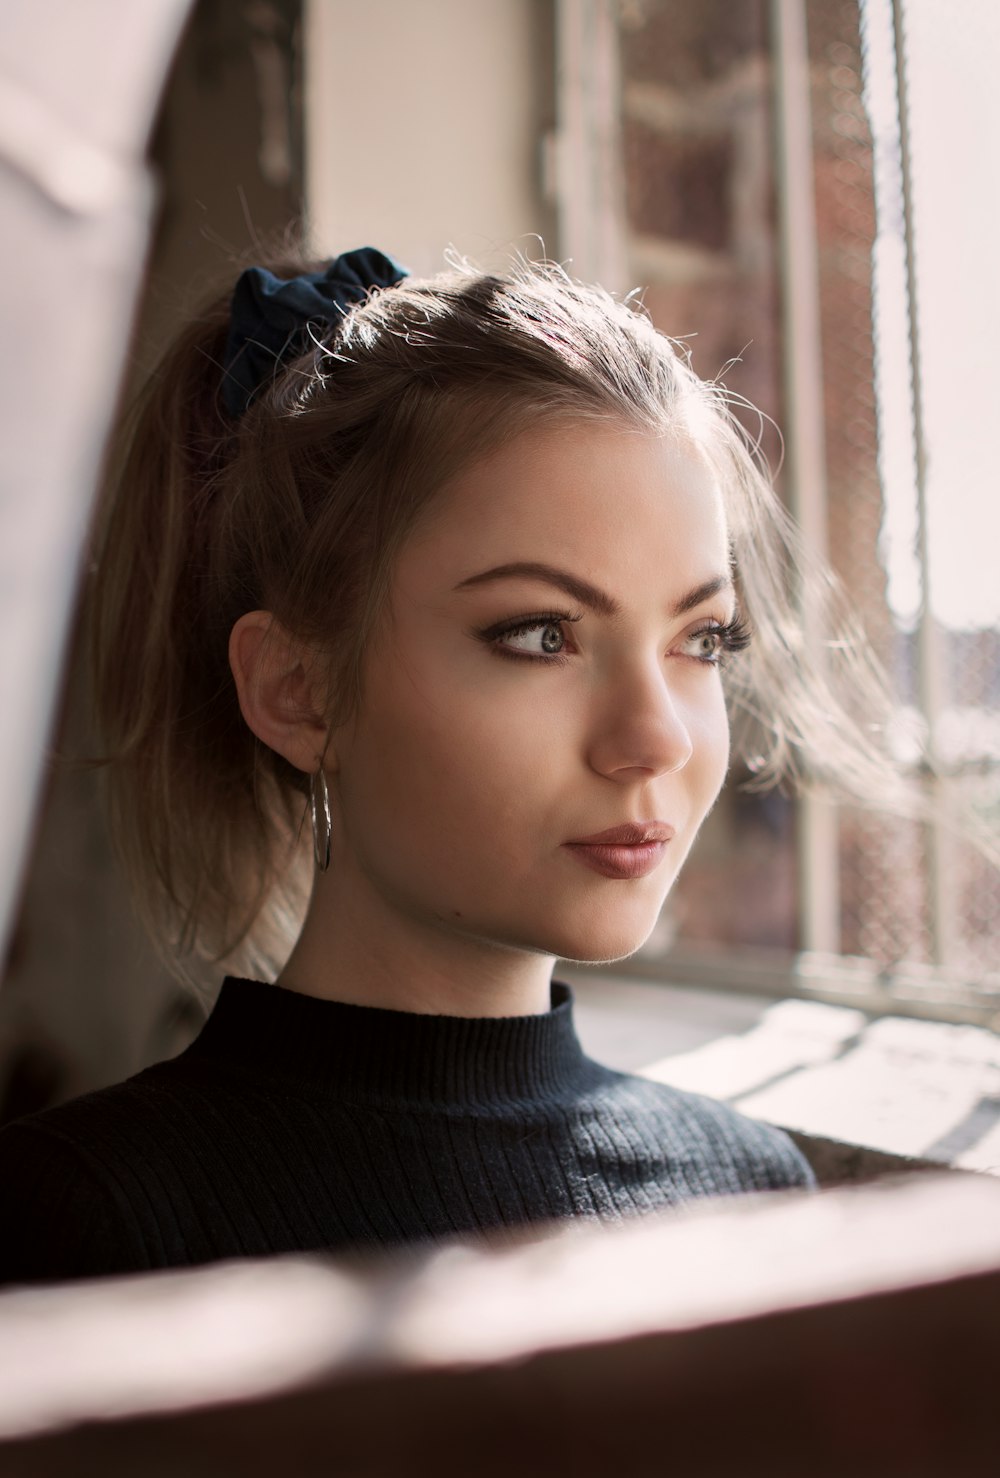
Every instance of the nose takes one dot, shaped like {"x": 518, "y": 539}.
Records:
{"x": 641, "y": 727}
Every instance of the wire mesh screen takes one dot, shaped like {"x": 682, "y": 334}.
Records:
{"x": 926, "y": 72}
{"x": 900, "y": 112}
{"x": 883, "y": 862}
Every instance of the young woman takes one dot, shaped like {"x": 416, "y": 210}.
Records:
{"x": 419, "y": 608}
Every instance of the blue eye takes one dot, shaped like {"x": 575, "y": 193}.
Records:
{"x": 705, "y": 645}
{"x": 713, "y": 643}
{"x": 537, "y": 640}
{"x": 540, "y": 638}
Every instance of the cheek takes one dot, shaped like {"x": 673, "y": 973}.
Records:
{"x": 709, "y": 730}
{"x": 425, "y": 769}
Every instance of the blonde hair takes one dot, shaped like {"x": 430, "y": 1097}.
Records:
{"x": 300, "y": 506}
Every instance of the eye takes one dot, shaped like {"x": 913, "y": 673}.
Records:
{"x": 706, "y": 645}
{"x": 711, "y": 644}
{"x": 541, "y": 638}
{"x": 536, "y": 640}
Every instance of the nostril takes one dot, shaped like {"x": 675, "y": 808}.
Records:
{"x": 649, "y": 736}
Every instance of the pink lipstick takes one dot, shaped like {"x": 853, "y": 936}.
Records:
{"x": 629, "y": 851}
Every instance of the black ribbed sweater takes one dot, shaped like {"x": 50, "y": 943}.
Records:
{"x": 295, "y": 1124}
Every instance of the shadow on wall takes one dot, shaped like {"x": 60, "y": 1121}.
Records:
{"x": 84, "y": 1000}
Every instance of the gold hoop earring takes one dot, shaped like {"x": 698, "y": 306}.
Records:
{"x": 322, "y": 824}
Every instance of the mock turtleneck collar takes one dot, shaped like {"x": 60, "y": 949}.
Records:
{"x": 368, "y": 1053}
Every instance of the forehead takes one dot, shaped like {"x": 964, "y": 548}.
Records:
{"x": 611, "y": 503}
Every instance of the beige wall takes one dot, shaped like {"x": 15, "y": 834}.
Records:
{"x": 453, "y": 99}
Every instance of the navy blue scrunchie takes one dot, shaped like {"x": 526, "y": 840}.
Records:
{"x": 270, "y": 318}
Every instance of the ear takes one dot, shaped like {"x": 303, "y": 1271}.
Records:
{"x": 279, "y": 690}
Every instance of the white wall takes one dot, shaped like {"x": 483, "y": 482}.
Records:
{"x": 424, "y": 123}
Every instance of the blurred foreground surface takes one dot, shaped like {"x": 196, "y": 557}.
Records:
{"x": 850, "y": 1333}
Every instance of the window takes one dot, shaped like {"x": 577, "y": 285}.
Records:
{"x": 860, "y": 315}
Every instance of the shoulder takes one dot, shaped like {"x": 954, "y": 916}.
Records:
{"x": 78, "y": 1184}
{"x": 65, "y": 1213}
{"x": 718, "y": 1146}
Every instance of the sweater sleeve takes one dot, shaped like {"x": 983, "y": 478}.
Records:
{"x": 62, "y": 1215}
{"x": 768, "y": 1159}
{"x": 731, "y": 1152}
{"x": 788, "y": 1166}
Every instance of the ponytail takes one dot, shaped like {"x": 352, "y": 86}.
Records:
{"x": 206, "y": 834}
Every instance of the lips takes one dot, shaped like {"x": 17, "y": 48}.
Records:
{"x": 629, "y": 851}
{"x": 632, "y": 834}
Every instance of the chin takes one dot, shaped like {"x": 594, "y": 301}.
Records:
{"x": 600, "y": 942}
{"x": 609, "y": 955}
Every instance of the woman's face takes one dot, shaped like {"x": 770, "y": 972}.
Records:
{"x": 510, "y": 712}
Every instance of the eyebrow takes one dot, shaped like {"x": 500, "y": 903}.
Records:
{"x": 587, "y": 594}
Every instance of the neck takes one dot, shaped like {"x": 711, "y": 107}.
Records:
{"x": 356, "y": 948}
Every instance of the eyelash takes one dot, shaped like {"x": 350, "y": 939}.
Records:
{"x": 734, "y": 636}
